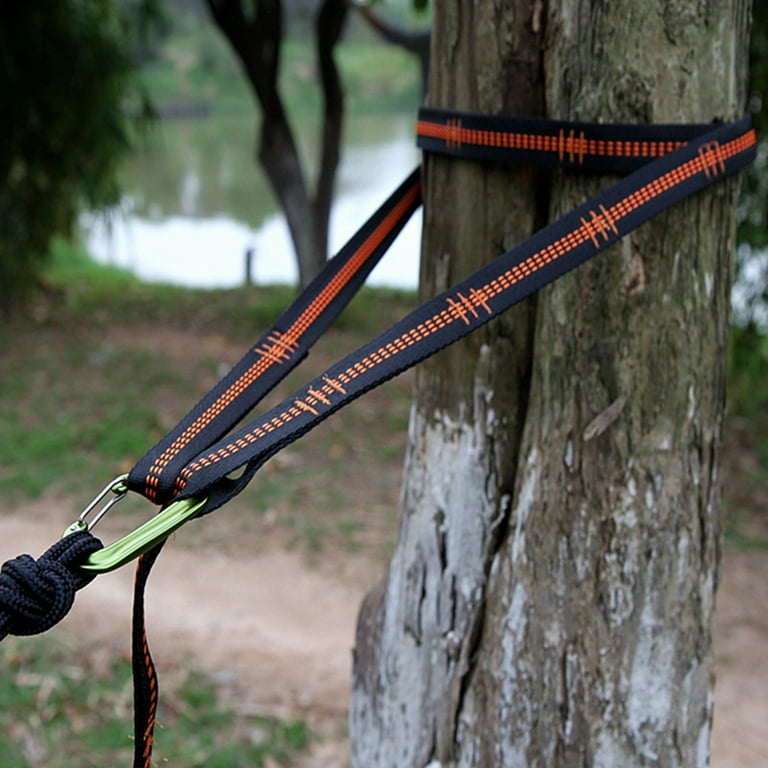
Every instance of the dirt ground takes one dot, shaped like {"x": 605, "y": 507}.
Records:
{"x": 275, "y": 628}
{"x": 273, "y": 622}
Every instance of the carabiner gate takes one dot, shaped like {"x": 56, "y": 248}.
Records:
{"x": 118, "y": 487}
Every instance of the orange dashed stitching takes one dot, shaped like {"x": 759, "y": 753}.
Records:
{"x": 272, "y": 353}
{"x": 608, "y": 218}
{"x": 575, "y": 146}
{"x": 320, "y": 396}
{"x": 335, "y": 385}
{"x": 571, "y": 145}
{"x": 284, "y": 344}
{"x": 713, "y": 154}
{"x": 479, "y": 297}
{"x": 599, "y": 225}
{"x": 304, "y": 406}
{"x": 453, "y": 138}
{"x": 459, "y": 309}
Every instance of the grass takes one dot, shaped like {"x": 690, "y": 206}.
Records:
{"x": 85, "y": 395}
{"x": 738, "y": 535}
{"x": 102, "y": 366}
{"x": 748, "y": 371}
{"x": 61, "y": 707}
{"x": 91, "y": 293}
{"x": 54, "y": 361}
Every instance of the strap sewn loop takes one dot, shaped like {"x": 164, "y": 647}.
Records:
{"x": 579, "y": 235}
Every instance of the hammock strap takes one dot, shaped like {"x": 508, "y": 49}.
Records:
{"x": 278, "y": 351}
{"x": 651, "y": 152}
{"x": 685, "y": 160}
{"x": 200, "y": 460}
{"x": 563, "y": 245}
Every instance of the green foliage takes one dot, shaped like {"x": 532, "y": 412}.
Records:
{"x": 378, "y": 76}
{"x": 748, "y": 372}
{"x": 747, "y": 391}
{"x": 736, "y": 538}
{"x": 404, "y": 7}
{"x": 35, "y": 424}
{"x": 195, "y": 68}
{"x": 61, "y": 707}
{"x": 753, "y": 208}
{"x": 71, "y": 102}
{"x": 758, "y": 66}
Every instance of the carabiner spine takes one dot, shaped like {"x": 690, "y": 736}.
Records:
{"x": 146, "y": 536}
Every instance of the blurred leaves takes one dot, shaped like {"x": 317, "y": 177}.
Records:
{"x": 72, "y": 103}
{"x": 62, "y": 706}
{"x": 748, "y": 372}
{"x": 751, "y": 271}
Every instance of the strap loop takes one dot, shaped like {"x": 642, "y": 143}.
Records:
{"x": 563, "y": 245}
{"x": 668, "y": 163}
{"x": 278, "y": 351}
{"x": 604, "y": 147}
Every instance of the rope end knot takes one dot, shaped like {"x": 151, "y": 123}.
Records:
{"x": 36, "y": 594}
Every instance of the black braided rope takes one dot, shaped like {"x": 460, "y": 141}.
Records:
{"x": 37, "y": 594}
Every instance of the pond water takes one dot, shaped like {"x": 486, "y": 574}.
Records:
{"x": 196, "y": 202}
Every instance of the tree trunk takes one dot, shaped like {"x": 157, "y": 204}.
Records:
{"x": 550, "y": 599}
{"x": 329, "y": 24}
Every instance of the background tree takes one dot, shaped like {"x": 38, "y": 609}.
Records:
{"x": 255, "y": 32}
{"x": 67, "y": 75}
{"x": 415, "y": 41}
{"x": 549, "y": 602}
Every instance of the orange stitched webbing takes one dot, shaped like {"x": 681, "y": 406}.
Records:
{"x": 571, "y": 145}
{"x": 282, "y": 346}
{"x": 710, "y": 160}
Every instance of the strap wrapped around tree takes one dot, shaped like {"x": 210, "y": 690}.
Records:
{"x": 204, "y": 460}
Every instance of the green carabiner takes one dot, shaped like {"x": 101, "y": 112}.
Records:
{"x": 133, "y": 544}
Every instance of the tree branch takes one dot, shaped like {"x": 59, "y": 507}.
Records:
{"x": 256, "y": 40}
{"x": 416, "y": 42}
{"x": 328, "y": 25}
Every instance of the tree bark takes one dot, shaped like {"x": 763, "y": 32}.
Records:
{"x": 549, "y": 602}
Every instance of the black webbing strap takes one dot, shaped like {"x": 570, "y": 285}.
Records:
{"x": 604, "y": 147}
{"x": 667, "y": 164}
{"x": 671, "y": 162}
{"x": 278, "y": 351}
{"x": 161, "y": 474}
{"x": 145, "y": 685}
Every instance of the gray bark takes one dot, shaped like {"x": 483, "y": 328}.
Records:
{"x": 550, "y": 599}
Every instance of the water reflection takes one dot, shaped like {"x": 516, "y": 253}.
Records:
{"x": 196, "y": 204}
